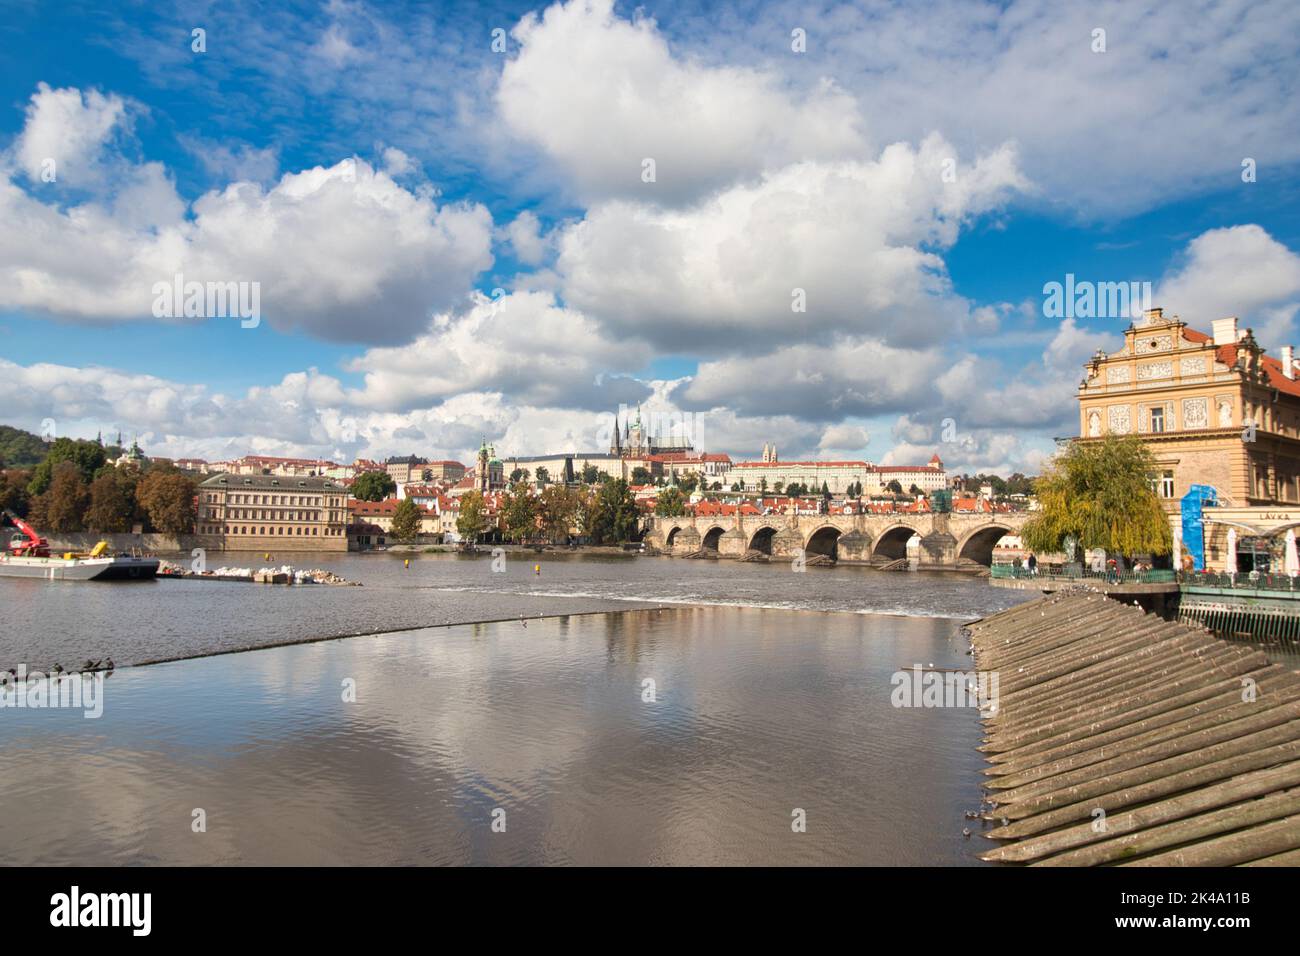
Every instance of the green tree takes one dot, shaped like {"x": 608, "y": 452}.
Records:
{"x": 826, "y": 492}
{"x": 543, "y": 475}
{"x": 641, "y": 475}
{"x": 20, "y": 449}
{"x": 688, "y": 483}
{"x": 166, "y": 496}
{"x": 373, "y": 486}
{"x": 406, "y": 520}
{"x": 1099, "y": 494}
{"x": 614, "y": 516}
{"x": 519, "y": 512}
{"x": 87, "y": 456}
{"x": 590, "y": 474}
{"x": 671, "y": 503}
{"x": 894, "y": 487}
{"x": 112, "y": 503}
{"x": 472, "y": 519}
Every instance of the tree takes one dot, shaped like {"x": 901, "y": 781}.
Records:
{"x": 472, "y": 520}
{"x": 671, "y": 503}
{"x": 166, "y": 496}
{"x": 62, "y": 507}
{"x": 519, "y": 512}
{"x": 584, "y": 508}
{"x": 543, "y": 474}
{"x": 1099, "y": 495}
{"x": 373, "y": 486}
{"x": 894, "y": 487}
{"x": 13, "y": 491}
{"x": 590, "y": 473}
{"x": 640, "y": 475}
{"x": 914, "y": 490}
{"x": 826, "y": 492}
{"x": 20, "y": 449}
{"x": 614, "y": 516}
{"x": 557, "y": 507}
{"x": 778, "y": 487}
{"x": 112, "y": 503}
{"x": 88, "y": 457}
{"x": 688, "y": 483}
{"x": 406, "y": 520}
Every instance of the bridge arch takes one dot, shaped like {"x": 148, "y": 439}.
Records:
{"x": 761, "y": 540}
{"x": 711, "y": 538}
{"x": 892, "y": 543}
{"x": 671, "y": 538}
{"x": 824, "y": 541}
{"x": 978, "y": 544}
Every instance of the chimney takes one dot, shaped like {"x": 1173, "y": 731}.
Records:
{"x": 1288, "y": 361}
{"x": 1225, "y": 331}
{"x": 1154, "y": 316}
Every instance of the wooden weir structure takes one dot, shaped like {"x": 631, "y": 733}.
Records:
{"x": 1122, "y": 738}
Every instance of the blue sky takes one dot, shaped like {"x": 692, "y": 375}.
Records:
{"x": 918, "y": 170}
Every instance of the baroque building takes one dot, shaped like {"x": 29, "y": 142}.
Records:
{"x": 1213, "y": 409}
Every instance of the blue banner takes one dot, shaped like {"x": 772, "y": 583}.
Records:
{"x": 1198, "y": 497}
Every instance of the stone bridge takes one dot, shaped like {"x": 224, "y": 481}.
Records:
{"x": 947, "y": 540}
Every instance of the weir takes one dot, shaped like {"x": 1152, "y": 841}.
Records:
{"x": 1122, "y": 738}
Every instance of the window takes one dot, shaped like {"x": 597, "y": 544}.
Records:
{"x": 1158, "y": 419}
{"x": 1167, "y": 485}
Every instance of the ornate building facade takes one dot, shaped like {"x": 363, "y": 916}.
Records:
{"x": 1213, "y": 409}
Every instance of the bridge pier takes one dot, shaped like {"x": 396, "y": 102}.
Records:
{"x": 686, "y": 541}
{"x": 938, "y": 549}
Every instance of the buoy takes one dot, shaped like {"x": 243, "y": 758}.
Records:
{"x": 537, "y": 569}
{"x": 407, "y": 562}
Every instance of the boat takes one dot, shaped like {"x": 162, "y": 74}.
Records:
{"x": 29, "y": 557}
{"x": 120, "y": 567}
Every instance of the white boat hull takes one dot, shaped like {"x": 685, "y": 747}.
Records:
{"x": 121, "y": 568}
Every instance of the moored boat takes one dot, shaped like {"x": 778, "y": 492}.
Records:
{"x": 122, "y": 567}
{"x": 29, "y": 557}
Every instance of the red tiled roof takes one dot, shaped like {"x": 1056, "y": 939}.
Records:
{"x": 1227, "y": 354}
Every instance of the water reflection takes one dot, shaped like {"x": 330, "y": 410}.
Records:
{"x": 757, "y": 712}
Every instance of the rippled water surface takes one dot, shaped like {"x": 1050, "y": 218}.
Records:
{"x": 758, "y": 712}
{"x": 43, "y": 622}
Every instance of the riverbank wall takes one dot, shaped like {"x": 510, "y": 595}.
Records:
{"x": 1122, "y": 738}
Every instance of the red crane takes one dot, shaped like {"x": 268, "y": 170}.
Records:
{"x": 29, "y": 544}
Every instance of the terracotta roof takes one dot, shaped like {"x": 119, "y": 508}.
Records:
{"x": 1227, "y": 354}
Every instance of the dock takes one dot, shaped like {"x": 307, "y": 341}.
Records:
{"x": 1120, "y": 738}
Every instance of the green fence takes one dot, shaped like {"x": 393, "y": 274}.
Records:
{"x": 1074, "y": 573}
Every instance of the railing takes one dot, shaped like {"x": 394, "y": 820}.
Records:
{"x": 1154, "y": 576}
{"x": 1242, "y": 581}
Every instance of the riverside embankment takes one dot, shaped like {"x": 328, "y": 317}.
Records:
{"x": 1119, "y": 737}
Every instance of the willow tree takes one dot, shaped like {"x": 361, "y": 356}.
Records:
{"x": 1100, "y": 495}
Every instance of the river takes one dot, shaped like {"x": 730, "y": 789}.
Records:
{"x": 523, "y": 741}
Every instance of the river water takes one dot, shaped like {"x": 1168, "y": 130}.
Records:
{"x": 43, "y": 622}
{"x": 770, "y": 704}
